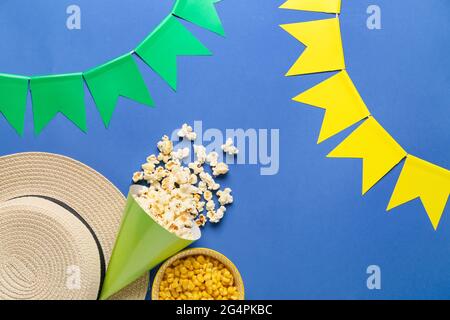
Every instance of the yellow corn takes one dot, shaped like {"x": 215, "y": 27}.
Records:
{"x": 195, "y": 278}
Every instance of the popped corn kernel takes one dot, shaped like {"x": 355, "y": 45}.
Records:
{"x": 207, "y": 195}
{"x": 212, "y": 158}
{"x": 216, "y": 216}
{"x": 193, "y": 179}
{"x": 196, "y": 167}
{"x": 148, "y": 167}
{"x": 164, "y": 158}
{"x": 206, "y": 177}
{"x": 229, "y": 148}
{"x": 200, "y": 153}
{"x": 187, "y": 132}
{"x": 173, "y": 165}
{"x": 138, "y": 176}
{"x": 191, "y": 136}
{"x": 225, "y": 196}
{"x": 220, "y": 169}
{"x": 201, "y": 206}
{"x": 210, "y": 205}
{"x": 180, "y": 154}
{"x": 153, "y": 159}
{"x": 203, "y": 186}
{"x": 201, "y": 220}
{"x": 165, "y": 146}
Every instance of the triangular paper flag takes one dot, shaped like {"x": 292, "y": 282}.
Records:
{"x": 203, "y": 13}
{"x": 13, "y": 100}
{"x": 327, "y": 6}
{"x": 60, "y": 93}
{"x": 424, "y": 180}
{"x": 379, "y": 151}
{"x": 120, "y": 77}
{"x": 161, "y": 48}
{"x": 323, "y": 52}
{"x": 342, "y": 103}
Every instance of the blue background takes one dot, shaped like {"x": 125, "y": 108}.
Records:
{"x": 306, "y": 232}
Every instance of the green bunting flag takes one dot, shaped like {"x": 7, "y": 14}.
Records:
{"x": 161, "y": 48}
{"x": 120, "y": 77}
{"x": 58, "y": 94}
{"x": 203, "y": 13}
{"x": 13, "y": 100}
{"x": 64, "y": 93}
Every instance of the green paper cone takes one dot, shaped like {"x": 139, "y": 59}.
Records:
{"x": 201, "y": 12}
{"x": 141, "y": 245}
{"x": 62, "y": 93}
{"x": 120, "y": 77}
{"x": 13, "y": 100}
{"x": 161, "y": 48}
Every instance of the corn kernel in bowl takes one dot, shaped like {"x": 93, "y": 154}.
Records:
{"x": 197, "y": 277}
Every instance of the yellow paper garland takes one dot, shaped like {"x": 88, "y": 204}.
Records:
{"x": 344, "y": 107}
{"x": 327, "y": 6}
{"x": 321, "y": 54}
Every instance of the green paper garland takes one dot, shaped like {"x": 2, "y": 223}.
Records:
{"x": 161, "y": 48}
{"x": 202, "y": 13}
{"x": 13, "y": 100}
{"x": 120, "y": 77}
{"x": 62, "y": 93}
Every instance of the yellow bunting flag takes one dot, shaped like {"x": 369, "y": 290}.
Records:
{"x": 379, "y": 151}
{"x": 342, "y": 103}
{"x": 327, "y": 6}
{"x": 424, "y": 180}
{"x": 323, "y": 52}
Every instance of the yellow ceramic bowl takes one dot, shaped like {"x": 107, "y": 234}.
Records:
{"x": 194, "y": 252}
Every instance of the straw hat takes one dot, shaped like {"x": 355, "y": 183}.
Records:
{"x": 58, "y": 223}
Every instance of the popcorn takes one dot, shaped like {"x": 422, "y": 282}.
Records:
{"x": 196, "y": 167}
{"x": 216, "y": 216}
{"x": 138, "y": 176}
{"x": 180, "y": 154}
{"x": 210, "y": 205}
{"x": 177, "y": 195}
{"x": 203, "y": 186}
{"x": 207, "y": 195}
{"x": 201, "y": 220}
{"x": 229, "y": 148}
{"x": 187, "y": 132}
{"x": 173, "y": 165}
{"x": 200, "y": 153}
{"x": 148, "y": 167}
{"x": 212, "y": 158}
{"x": 225, "y": 196}
{"x": 200, "y": 206}
{"x": 164, "y": 158}
{"x": 165, "y": 146}
{"x": 220, "y": 168}
{"x": 206, "y": 177}
{"x": 152, "y": 159}
{"x": 193, "y": 179}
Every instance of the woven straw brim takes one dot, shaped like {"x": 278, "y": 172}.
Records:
{"x": 46, "y": 252}
{"x": 99, "y": 203}
{"x": 194, "y": 252}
